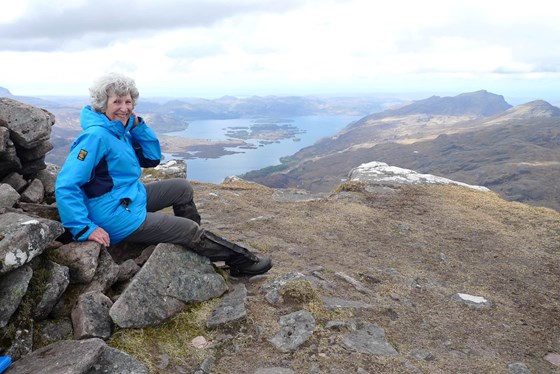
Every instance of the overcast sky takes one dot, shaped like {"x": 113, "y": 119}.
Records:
{"x": 279, "y": 47}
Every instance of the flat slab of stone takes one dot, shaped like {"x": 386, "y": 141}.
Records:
{"x": 338, "y": 303}
{"x": 275, "y": 370}
{"x": 57, "y": 280}
{"x": 81, "y": 258}
{"x": 114, "y": 361}
{"x": 231, "y": 309}
{"x": 8, "y": 196}
{"x": 518, "y": 368}
{"x": 22, "y": 238}
{"x": 553, "y": 358}
{"x": 29, "y": 126}
{"x": 172, "y": 277}
{"x": 66, "y": 356}
{"x": 295, "y": 329}
{"x": 106, "y": 274}
{"x": 53, "y": 330}
{"x": 369, "y": 339}
{"x": 90, "y": 316}
{"x": 12, "y": 288}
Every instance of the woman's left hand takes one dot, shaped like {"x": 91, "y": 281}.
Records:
{"x": 136, "y": 120}
{"x": 100, "y": 236}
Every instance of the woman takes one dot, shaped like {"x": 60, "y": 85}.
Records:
{"x": 100, "y": 196}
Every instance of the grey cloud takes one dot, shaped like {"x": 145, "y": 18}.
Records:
{"x": 103, "y": 21}
{"x": 193, "y": 52}
{"x": 529, "y": 42}
{"x": 547, "y": 67}
{"x": 523, "y": 34}
{"x": 502, "y": 70}
{"x": 534, "y": 67}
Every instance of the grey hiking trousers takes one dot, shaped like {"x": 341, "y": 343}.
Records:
{"x": 181, "y": 228}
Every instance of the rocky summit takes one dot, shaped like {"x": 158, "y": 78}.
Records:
{"x": 391, "y": 272}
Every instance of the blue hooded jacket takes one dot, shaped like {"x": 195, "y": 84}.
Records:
{"x": 99, "y": 185}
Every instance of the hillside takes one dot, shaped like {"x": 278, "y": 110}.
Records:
{"x": 514, "y": 152}
{"x": 379, "y": 276}
{"x": 412, "y": 249}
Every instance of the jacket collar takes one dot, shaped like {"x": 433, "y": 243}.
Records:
{"x": 90, "y": 118}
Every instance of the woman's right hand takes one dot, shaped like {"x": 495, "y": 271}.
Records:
{"x": 100, "y": 236}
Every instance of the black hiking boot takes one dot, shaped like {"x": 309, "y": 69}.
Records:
{"x": 240, "y": 260}
{"x": 187, "y": 211}
{"x": 263, "y": 265}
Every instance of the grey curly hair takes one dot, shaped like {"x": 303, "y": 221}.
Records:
{"x": 107, "y": 85}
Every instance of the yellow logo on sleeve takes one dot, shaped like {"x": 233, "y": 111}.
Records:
{"x": 82, "y": 155}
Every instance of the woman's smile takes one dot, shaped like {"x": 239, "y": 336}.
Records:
{"x": 119, "y": 108}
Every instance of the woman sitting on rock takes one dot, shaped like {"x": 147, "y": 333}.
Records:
{"x": 100, "y": 196}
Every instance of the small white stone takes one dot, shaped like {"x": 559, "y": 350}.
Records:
{"x": 199, "y": 342}
{"x": 473, "y": 299}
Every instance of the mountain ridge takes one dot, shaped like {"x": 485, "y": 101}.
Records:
{"x": 443, "y": 145}
{"x": 479, "y": 103}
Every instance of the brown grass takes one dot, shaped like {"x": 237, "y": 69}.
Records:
{"x": 414, "y": 247}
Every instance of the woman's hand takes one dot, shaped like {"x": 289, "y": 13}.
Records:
{"x": 100, "y": 236}
{"x": 136, "y": 120}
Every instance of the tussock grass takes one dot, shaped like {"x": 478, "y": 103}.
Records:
{"x": 299, "y": 291}
{"x": 351, "y": 186}
{"x": 152, "y": 174}
{"x": 172, "y": 338}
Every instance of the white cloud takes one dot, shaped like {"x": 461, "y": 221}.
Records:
{"x": 51, "y": 25}
{"x": 12, "y": 11}
{"x": 218, "y": 47}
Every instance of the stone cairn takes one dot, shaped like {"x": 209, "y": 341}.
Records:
{"x": 57, "y": 295}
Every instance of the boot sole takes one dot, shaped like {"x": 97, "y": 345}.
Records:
{"x": 237, "y": 273}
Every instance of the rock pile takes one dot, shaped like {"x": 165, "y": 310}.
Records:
{"x": 52, "y": 290}
{"x": 24, "y": 138}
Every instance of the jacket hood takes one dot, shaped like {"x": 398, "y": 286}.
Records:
{"x": 90, "y": 118}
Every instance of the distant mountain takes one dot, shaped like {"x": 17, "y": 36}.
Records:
{"x": 35, "y": 101}
{"x": 533, "y": 109}
{"x": 474, "y": 104}
{"x": 229, "y": 107}
{"x": 479, "y": 103}
{"x": 515, "y": 151}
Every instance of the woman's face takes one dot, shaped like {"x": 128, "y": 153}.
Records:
{"x": 119, "y": 108}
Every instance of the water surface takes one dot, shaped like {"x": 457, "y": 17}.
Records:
{"x": 312, "y": 128}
